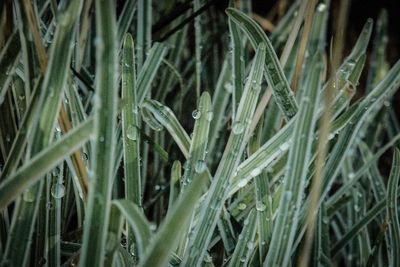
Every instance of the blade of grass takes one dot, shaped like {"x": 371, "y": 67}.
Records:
{"x": 130, "y": 125}
{"x": 98, "y": 206}
{"x": 166, "y": 117}
{"x": 143, "y": 34}
{"x": 237, "y": 63}
{"x": 167, "y": 237}
{"x": 113, "y": 236}
{"x": 392, "y": 209}
{"x": 246, "y": 242}
{"x": 138, "y": 223}
{"x": 230, "y": 160}
{"x": 286, "y": 222}
{"x": 273, "y": 70}
{"x": 50, "y": 99}
{"x": 198, "y": 36}
{"x": 125, "y": 19}
{"x": 44, "y": 161}
{"x": 197, "y": 153}
{"x": 149, "y": 70}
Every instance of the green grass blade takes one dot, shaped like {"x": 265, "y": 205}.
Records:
{"x": 197, "y": 153}
{"x": 164, "y": 115}
{"x": 285, "y": 225}
{"x": 246, "y": 243}
{"x": 392, "y": 209}
{"x": 198, "y": 46}
{"x": 176, "y": 174}
{"x": 19, "y": 143}
{"x": 273, "y": 70}
{"x": 113, "y": 236}
{"x": 55, "y": 192}
{"x": 263, "y": 199}
{"x": 98, "y": 206}
{"x": 230, "y": 160}
{"x": 220, "y": 100}
{"x": 167, "y": 237}
{"x": 359, "y": 226}
{"x": 138, "y": 223}
{"x": 49, "y": 101}
{"x": 143, "y": 34}
{"x": 130, "y": 124}
{"x": 149, "y": 70}
{"x": 125, "y": 19}
{"x": 44, "y": 161}
{"x": 237, "y": 63}
{"x": 130, "y": 129}
{"x": 378, "y": 57}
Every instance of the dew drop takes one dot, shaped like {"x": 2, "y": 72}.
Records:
{"x": 255, "y": 172}
{"x": 250, "y": 245}
{"x": 29, "y": 196}
{"x": 228, "y": 87}
{"x": 237, "y": 128}
{"x": 242, "y": 183}
{"x": 58, "y": 190}
{"x": 131, "y": 133}
{"x": 196, "y": 114}
{"x": 85, "y": 156}
{"x": 210, "y": 115}
{"x": 242, "y": 206}
{"x": 284, "y": 146}
{"x": 200, "y": 166}
{"x": 260, "y": 206}
{"x": 153, "y": 226}
{"x": 56, "y": 171}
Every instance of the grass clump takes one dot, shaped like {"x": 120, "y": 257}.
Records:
{"x": 174, "y": 134}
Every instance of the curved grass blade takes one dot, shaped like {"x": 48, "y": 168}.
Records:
{"x": 245, "y": 244}
{"x": 167, "y": 237}
{"x": 164, "y": 115}
{"x": 98, "y": 206}
{"x": 273, "y": 70}
{"x": 209, "y": 214}
{"x": 286, "y": 222}
{"x": 392, "y": 209}
{"x": 44, "y": 161}
{"x": 137, "y": 221}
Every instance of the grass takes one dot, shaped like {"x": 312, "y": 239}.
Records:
{"x": 203, "y": 142}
